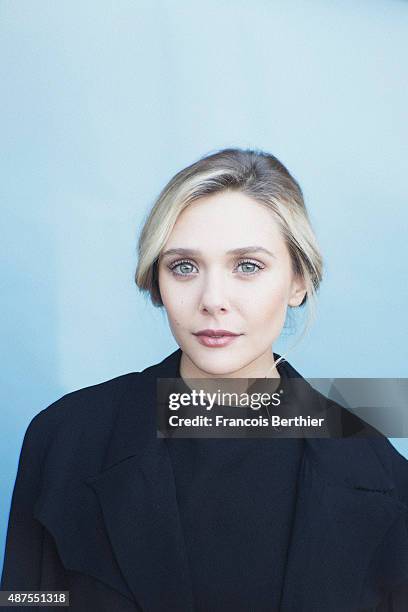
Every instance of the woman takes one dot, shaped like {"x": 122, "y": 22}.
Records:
{"x": 126, "y": 520}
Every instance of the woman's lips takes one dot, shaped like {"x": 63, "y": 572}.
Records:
{"x": 216, "y": 342}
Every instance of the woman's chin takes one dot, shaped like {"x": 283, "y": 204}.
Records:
{"x": 218, "y": 366}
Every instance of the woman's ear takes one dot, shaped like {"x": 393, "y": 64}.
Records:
{"x": 297, "y": 292}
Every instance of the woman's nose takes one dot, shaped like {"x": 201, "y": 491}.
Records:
{"x": 213, "y": 297}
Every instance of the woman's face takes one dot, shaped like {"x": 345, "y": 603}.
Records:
{"x": 205, "y": 283}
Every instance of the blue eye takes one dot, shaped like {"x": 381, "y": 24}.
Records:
{"x": 185, "y": 268}
{"x": 182, "y": 265}
{"x": 255, "y": 267}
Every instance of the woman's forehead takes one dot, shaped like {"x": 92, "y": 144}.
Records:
{"x": 229, "y": 220}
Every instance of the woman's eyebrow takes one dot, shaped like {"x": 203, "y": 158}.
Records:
{"x": 237, "y": 251}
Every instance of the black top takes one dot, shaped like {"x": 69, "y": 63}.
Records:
{"x": 236, "y": 500}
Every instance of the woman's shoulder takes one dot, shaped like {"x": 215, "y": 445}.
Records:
{"x": 68, "y": 439}
{"x": 86, "y": 409}
{"x": 95, "y": 407}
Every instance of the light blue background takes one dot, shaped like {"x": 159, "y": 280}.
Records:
{"x": 103, "y": 101}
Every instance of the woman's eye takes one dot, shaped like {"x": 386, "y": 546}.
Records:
{"x": 183, "y": 268}
{"x": 186, "y": 268}
{"x": 250, "y": 267}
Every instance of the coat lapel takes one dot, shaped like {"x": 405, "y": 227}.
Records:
{"x": 137, "y": 494}
{"x": 347, "y": 514}
{"x": 121, "y": 525}
{"x": 346, "y": 505}
{"x": 139, "y": 506}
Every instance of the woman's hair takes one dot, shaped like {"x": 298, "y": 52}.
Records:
{"x": 257, "y": 174}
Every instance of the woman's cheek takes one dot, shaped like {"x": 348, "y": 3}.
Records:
{"x": 270, "y": 302}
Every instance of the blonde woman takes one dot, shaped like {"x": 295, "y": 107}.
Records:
{"x": 128, "y": 521}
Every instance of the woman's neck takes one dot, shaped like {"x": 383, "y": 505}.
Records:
{"x": 261, "y": 367}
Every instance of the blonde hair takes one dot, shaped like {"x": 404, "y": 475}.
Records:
{"x": 257, "y": 174}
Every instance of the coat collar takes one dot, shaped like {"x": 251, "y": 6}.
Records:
{"x": 346, "y": 506}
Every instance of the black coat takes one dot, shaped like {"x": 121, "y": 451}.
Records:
{"x": 94, "y": 512}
